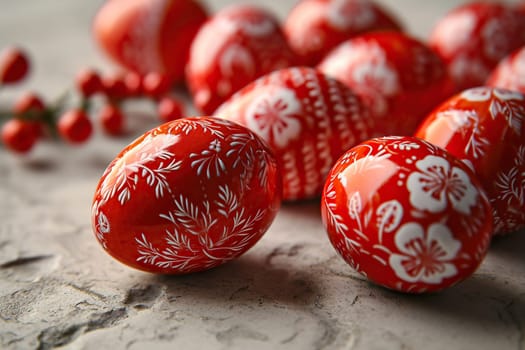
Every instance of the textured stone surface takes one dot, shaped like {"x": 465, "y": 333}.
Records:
{"x": 291, "y": 291}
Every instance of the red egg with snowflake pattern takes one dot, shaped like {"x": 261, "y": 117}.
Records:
{"x": 307, "y": 118}
{"x": 485, "y": 127}
{"x": 406, "y": 214}
{"x": 187, "y": 196}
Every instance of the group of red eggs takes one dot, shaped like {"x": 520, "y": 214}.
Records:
{"x": 416, "y": 149}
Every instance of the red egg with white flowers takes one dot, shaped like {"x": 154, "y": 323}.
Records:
{"x": 485, "y": 127}
{"x": 398, "y": 78}
{"x": 307, "y": 118}
{"x": 237, "y": 45}
{"x": 314, "y": 27}
{"x": 187, "y": 196}
{"x": 406, "y": 214}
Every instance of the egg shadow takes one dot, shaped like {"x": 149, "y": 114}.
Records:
{"x": 248, "y": 280}
{"x": 484, "y": 301}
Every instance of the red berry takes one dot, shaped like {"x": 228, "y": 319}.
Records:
{"x": 239, "y": 44}
{"x": 88, "y": 82}
{"x": 485, "y": 127}
{"x": 473, "y": 38}
{"x": 19, "y": 135}
{"x": 112, "y": 120}
{"x": 187, "y": 196}
{"x": 314, "y": 27}
{"x": 155, "y": 84}
{"x": 170, "y": 108}
{"x": 407, "y": 214}
{"x": 399, "y": 78}
{"x": 30, "y": 104}
{"x": 133, "y": 82}
{"x": 14, "y": 65}
{"x": 115, "y": 87}
{"x": 74, "y": 126}
{"x": 307, "y": 118}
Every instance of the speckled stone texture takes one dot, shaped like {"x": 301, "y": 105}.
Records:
{"x": 291, "y": 291}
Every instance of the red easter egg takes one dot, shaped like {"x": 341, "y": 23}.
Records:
{"x": 406, "y": 214}
{"x": 399, "y": 78}
{"x": 485, "y": 127}
{"x": 510, "y": 72}
{"x": 237, "y": 45}
{"x": 307, "y": 118}
{"x": 187, "y": 196}
{"x": 149, "y": 35}
{"x": 474, "y": 37}
{"x": 314, "y": 27}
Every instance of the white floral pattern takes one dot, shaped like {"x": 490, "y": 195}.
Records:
{"x": 275, "y": 116}
{"x": 426, "y": 257}
{"x": 369, "y": 73}
{"x": 437, "y": 184}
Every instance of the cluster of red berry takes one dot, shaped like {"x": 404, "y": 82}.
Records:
{"x": 31, "y": 118}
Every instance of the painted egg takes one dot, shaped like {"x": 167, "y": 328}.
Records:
{"x": 474, "y": 37}
{"x": 485, "y": 127}
{"x": 149, "y": 35}
{"x": 237, "y": 45}
{"x": 399, "y": 78}
{"x": 406, "y": 214}
{"x": 510, "y": 72}
{"x": 307, "y": 118}
{"x": 314, "y": 27}
{"x": 187, "y": 196}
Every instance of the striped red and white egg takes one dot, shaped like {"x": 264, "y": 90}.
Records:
{"x": 307, "y": 118}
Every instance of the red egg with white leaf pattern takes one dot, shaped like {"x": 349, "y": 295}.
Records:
{"x": 485, "y": 127}
{"x": 307, "y": 118}
{"x": 237, "y": 45}
{"x": 406, "y": 214}
{"x": 187, "y": 196}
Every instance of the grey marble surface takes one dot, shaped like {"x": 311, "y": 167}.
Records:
{"x": 291, "y": 291}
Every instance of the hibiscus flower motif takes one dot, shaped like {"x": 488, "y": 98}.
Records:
{"x": 275, "y": 116}
{"x": 424, "y": 256}
{"x": 374, "y": 79}
{"x": 437, "y": 184}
